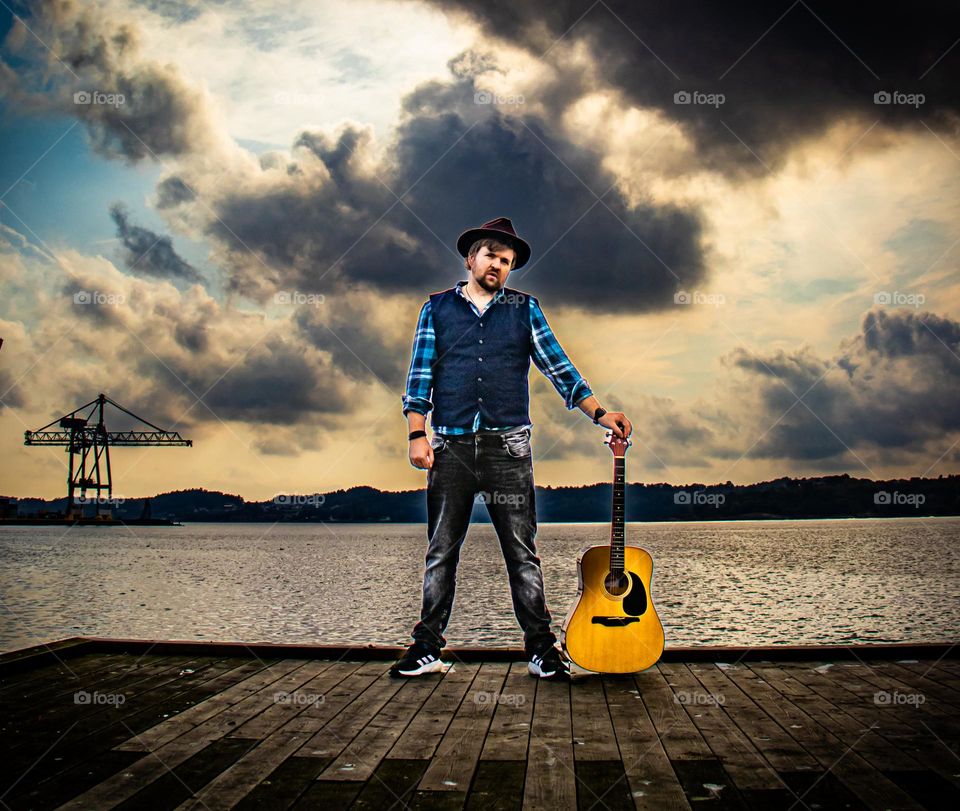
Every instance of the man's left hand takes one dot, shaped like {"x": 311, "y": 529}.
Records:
{"x": 617, "y": 421}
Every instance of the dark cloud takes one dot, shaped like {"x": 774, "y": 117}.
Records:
{"x": 455, "y": 163}
{"x": 275, "y": 383}
{"x": 78, "y": 59}
{"x": 895, "y": 385}
{"x": 172, "y": 191}
{"x": 146, "y": 254}
{"x": 342, "y": 326}
{"x": 787, "y": 73}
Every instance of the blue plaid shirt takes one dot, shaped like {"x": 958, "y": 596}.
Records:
{"x": 547, "y": 354}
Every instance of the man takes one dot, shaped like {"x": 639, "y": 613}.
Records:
{"x": 472, "y": 349}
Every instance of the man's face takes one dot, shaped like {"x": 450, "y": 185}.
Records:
{"x": 490, "y": 268}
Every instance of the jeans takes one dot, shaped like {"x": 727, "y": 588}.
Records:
{"x": 498, "y": 469}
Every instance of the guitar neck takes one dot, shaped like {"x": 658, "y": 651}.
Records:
{"x": 617, "y": 525}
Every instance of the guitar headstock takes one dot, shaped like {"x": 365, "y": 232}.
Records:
{"x": 617, "y": 444}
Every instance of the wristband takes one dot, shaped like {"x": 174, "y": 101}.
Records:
{"x": 598, "y": 414}
{"x": 416, "y": 434}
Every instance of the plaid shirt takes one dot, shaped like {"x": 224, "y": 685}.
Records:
{"x": 547, "y": 354}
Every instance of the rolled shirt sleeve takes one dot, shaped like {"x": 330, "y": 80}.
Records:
{"x": 420, "y": 377}
{"x": 550, "y": 359}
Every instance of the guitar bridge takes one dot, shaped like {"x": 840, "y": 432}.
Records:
{"x": 613, "y": 622}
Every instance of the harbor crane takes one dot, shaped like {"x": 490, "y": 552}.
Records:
{"x": 89, "y": 448}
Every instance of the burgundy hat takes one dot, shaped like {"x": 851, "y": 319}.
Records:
{"x": 499, "y": 228}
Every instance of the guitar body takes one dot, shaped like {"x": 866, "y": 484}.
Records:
{"x": 613, "y": 632}
{"x": 613, "y": 627}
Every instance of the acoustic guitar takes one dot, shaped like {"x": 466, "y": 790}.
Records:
{"x": 613, "y": 627}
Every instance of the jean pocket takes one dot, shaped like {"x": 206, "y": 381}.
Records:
{"x": 518, "y": 445}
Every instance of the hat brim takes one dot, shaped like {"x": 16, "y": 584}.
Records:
{"x": 468, "y": 237}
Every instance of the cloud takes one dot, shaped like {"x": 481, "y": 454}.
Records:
{"x": 147, "y": 254}
{"x": 892, "y": 386}
{"x": 85, "y": 61}
{"x": 787, "y": 74}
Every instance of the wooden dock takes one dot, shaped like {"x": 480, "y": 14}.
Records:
{"x": 132, "y": 724}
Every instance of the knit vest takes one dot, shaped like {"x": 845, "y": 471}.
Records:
{"x": 482, "y": 363}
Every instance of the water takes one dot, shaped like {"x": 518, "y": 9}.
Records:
{"x": 731, "y": 583}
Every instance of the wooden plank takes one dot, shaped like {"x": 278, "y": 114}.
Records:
{"x": 678, "y": 734}
{"x": 419, "y": 740}
{"x": 498, "y": 784}
{"x": 650, "y": 776}
{"x": 452, "y": 765}
{"x": 232, "y": 785}
{"x": 287, "y": 706}
{"x": 368, "y": 748}
{"x": 777, "y": 746}
{"x": 335, "y": 736}
{"x": 551, "y": 781}
{"x": 593, "y": 735}
{"x": 284, "y": 785}
{"x": 357, "y": 679}
{"x": 87, "y": 743}
{"x": 169, "y": 755}
{"x": 182, "y": 782}
{"x": 829, "y": 707}
{"x": 509, "y": 734}
{"x": 862, "y": 778}
{"x": 745, "y": 764}
{"x": 392, "y": 786}
{"x": 171, "y": 728}
{"x": 603, "y": 784}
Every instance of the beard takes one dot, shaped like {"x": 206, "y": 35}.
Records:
{"x": 490, "y": 283}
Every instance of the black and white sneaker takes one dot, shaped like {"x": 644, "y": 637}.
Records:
{"x": 548, "y": 665}
{"x": 420, "y": 658}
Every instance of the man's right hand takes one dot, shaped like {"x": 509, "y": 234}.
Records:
{"x": 421, "y": 453}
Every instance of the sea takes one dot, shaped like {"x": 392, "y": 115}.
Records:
{"x": 842, "y": 581}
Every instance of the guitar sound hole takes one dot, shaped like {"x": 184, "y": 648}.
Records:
{"x": 616, "y": 584}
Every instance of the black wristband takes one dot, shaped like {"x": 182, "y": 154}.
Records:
{"x": 416, "y": 434}
{"x": 598, "y": 414}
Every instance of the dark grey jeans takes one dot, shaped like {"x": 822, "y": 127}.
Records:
{"x": 496, "y": 468}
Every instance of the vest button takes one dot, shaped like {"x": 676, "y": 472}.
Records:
{"x": 479, "y": 380}
{"x": 481, "y": 340}
{"x": 479, "y": 358}
{"x": 479, "y": 399}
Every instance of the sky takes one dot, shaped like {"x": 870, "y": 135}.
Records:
{"x": 226, "y": 216}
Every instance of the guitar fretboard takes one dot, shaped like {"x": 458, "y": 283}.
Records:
{"x": 619, "y": 501}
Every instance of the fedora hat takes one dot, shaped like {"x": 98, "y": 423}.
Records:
{"x": 500, "y": 228}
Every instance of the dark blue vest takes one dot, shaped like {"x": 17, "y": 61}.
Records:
{"x": 483, "y": 363}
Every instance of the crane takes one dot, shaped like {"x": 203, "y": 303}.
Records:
{"x": 89, "y": 448}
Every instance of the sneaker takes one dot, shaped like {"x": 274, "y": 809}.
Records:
{"x": 420, "y": 658}
{"x": 548, "y": 664}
